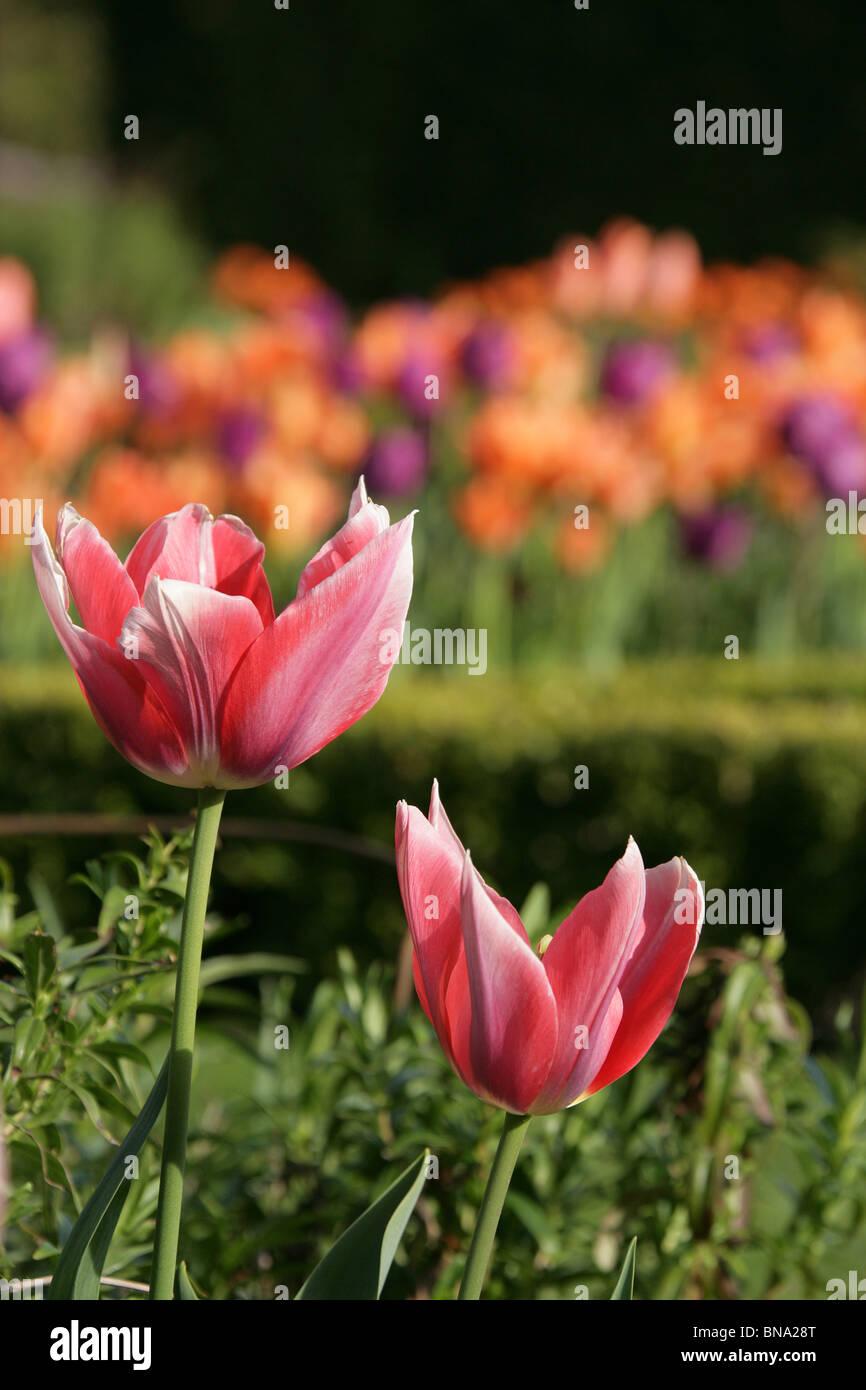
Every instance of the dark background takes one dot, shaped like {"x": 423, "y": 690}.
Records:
{"x": 307, "y": 126}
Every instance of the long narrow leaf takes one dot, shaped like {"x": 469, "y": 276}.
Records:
{"x": 185, "y": 1286}
{"x": 625, "y": 1283}
{"x": 357, "y": 1266}
{"x": 79, "y": 1268}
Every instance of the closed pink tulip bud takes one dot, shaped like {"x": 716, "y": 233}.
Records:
{"x": 536, "y": 1033}
{"x": 181, "y": 659}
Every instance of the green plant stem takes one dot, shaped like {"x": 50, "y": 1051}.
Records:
{"x": 478, "y": 1259}
{"x": 210, "y": 804}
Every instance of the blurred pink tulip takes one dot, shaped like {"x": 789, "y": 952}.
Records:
{"x": 536, "y": 1033}
{"x": 179, "y": 655}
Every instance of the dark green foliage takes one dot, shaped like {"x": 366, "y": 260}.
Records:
{"x": 734, "y": 1152}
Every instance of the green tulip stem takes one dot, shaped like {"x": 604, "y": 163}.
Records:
{"x": 478, "y": 1259}
{"x": 210, "y": 804}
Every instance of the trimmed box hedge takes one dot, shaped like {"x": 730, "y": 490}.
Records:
{"x": 755, "y": 771}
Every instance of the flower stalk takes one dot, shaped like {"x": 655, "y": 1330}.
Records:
{"x": 210, "y": 804}
{"x": 510, "y": 1141}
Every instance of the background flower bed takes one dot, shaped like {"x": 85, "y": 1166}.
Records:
{"x": 615, "y": 448}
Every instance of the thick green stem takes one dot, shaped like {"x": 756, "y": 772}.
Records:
{"x": 478, "y": 1259}
{"x": 210, "y": 804}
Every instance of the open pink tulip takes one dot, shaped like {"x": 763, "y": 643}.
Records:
{"x": 179, "y": 655}
{"x": 534, "y": 1034}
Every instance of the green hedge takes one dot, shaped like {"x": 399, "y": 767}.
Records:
{"x": 756, "y": 772}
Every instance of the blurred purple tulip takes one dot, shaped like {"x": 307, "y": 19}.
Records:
{"x": 24, "y": 362}
{"x": 396, "y": 463}
{"x": 767, "y": 342}
{"x": 327, "y": 316}
{"x": 633, "y": 372}
{"x": 414, "y": 384}
{"x": 820, "y": 431}
{"x": 720, "y": 536}
{"x": 239, "y": 432}
{"x": 487, "y": 356}
{"x": 159, "y": 393}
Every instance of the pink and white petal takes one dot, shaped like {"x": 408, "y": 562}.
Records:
{"x": 655, "y": 972}
{"x": 440, "y": 938}
{"x": 189, "y": 545}
{"x": 585, "y": 962}
{"x": 101, "y": 589}
{"x": 458, "y": 1011}
{"x": 126, "y": 710}
{"x": 420, "y": 989}
{"x": 359, "y": 497}
{"x": 238, "y": 556}
{"x": 429, "y": 878}
{"x": 188, "y": 641}
{"x": 131, "y": 716}
{"x": 442, "y": 825}
{"x": 139, "y": 563}
{"x": 513, "y": 1029}
{"x": 606, "y": 1032}
{"x": 319, "y": 667}
{"x": 177, "y": 546}
{"x": 366, "y": 520}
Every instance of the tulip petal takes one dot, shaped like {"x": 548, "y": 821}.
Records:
{"x": 585, "y": 963}
{"x": 443, "y": 827}
{"x": 319, "y": 667}
{"x": 430, "y": 861}
{"x": 100, "y": 587}
{"x": 429, "y": 874}
{"x": 238, "y": 557}
{"x": 656, "y": 970}
{"x": 189, "y": 545}
{"x": 366, "y": 520}
{"x": 127, "y": 711}
{"x": 174, "y": 547}
{"x": 189, "y": 640}
{"x": 514, "y": 1014}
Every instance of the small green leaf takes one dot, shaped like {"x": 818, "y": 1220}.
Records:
{"x": 40, "y": 963}
{"x": 534, "y": 1218}
{"x": 357, "y": 1266}
{"x": 29, "y": 1037}
{"x": 625, "y": 1283}
{"x": 112, "y": 909}
{"x": 219, "y": 968}
{"x": 12, "y": 959}
{"x": 45, "y": 905}
{"x": 79, "y": 1268}
{"x": 122, "y": 1049}
{"x": 535, "y": 912}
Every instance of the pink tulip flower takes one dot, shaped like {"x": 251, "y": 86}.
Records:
{"x": 181, "y": 659}
{"x": 536, "y": 1033}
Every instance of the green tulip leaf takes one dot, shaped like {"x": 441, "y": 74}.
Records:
{"x": 82, "y": 1258}
{"x": 625, "y": 1283}
{"x": 219, "y": 968}
{"x": 185, "y": 1286}
{"x": 357, "y": 1266}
